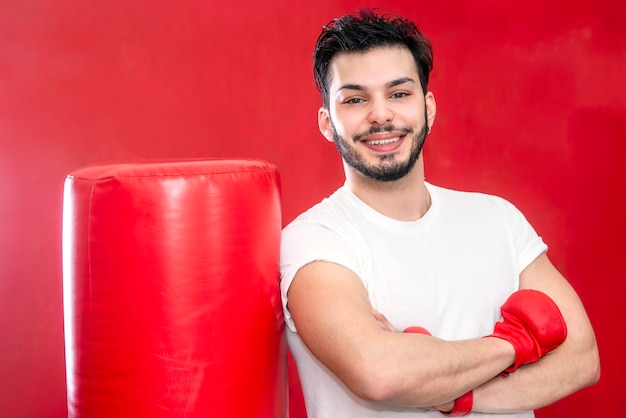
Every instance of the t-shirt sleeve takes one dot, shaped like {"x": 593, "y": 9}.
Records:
{"x": 528, "y": 244}
{"x": 303, "y": 242}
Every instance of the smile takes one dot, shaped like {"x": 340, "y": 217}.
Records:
{"x": 384, "y": 141}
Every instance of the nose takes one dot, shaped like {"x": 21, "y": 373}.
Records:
{"x": 379, "y": 112}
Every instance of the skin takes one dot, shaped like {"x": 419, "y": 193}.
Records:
{"x": 369, "y": 93}
{"x": 355, "y": 107}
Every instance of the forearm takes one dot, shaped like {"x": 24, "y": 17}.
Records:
{"x": 333, "y": 314}
{"x": 433, "y": 371}
{"x": 572, "y": 366}
{"x": 536, "y": 385}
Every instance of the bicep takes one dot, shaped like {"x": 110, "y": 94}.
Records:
{"x": 543, "y": 276}
{"x": 332, "y": 313}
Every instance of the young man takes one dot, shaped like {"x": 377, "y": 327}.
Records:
{"x": 388, "y": 251}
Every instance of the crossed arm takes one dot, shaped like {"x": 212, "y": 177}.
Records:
{"x": 572, "y": 366}
{"x": 332, "y": 312}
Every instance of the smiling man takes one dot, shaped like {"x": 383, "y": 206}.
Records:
{"x": 394, "y": 148}
{"x": 491, "y": 326}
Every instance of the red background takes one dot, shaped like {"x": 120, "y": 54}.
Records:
{"x": 532, "y": 106}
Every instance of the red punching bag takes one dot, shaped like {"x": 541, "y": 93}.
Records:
{"x": 170, "y": 281}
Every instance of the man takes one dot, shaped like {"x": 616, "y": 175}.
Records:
{"x": 388, "y": 251}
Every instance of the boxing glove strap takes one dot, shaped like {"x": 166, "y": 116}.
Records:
{"x": 462, "y": 406}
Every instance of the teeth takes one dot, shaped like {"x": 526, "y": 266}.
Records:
{"x": 384, "y": 141}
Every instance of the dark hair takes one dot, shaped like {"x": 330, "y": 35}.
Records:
{"x": 364, "y": 30}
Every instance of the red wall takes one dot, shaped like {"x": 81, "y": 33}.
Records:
{"x": 531, "y": 100}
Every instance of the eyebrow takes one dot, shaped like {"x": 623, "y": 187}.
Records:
{"x": 400, "y": 81}
{"x": 390, "y": 84}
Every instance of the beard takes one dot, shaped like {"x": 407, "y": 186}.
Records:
{"x": 388, "y": 168}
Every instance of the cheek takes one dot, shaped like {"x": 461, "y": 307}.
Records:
{"x": 345, "y": 123}
{"x": 415, "y": 118}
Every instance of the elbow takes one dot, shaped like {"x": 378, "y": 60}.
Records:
{"x": 385, "y": 385}
{"x": 594, "y": 370}
{"x": 589, "y": 371}
{"x": 375, "y": 384}
{"x": 595, "y": 377}
{"x": 372, "y": 386}
{"x": 378, "y": 392}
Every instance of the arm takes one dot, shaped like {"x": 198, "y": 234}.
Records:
{"x": 333, "y": 315}
{"x": 572, "y": 366}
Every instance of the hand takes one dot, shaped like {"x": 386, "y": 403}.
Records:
{"x": 446, "y": 407}
{"x": 382, "y": 320}
{"x": 533, "y": 324}
{"x": 460, "y": 407}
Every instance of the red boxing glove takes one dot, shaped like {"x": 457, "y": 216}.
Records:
{"x": 533, "y": 323}
{"x": 462, "y": 406}
{"x": 417, "y": 330}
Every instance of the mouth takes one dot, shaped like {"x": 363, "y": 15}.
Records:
{"x": 382, "y": 136}
{"x": 383, "y": 141}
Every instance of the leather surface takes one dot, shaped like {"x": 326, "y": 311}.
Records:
{"x": 171, "y": 297}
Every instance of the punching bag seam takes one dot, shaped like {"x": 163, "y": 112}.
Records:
{"x": 91, "y": 325}
{"x": 182, "y": 173}
{"x": 189, "y": 167}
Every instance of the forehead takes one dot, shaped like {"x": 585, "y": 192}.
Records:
{"x": 375, "y": 67}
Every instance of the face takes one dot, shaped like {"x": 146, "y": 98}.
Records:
{"x": 377, "y": 116}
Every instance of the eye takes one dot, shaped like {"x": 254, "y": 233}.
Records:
{"x": 354, "y": 100}
{"x": 399, "y": 95}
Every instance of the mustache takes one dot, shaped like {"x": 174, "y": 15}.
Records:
{"x": 380, "y": 129}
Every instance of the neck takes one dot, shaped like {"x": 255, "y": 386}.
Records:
{"x": 405, "y": 199}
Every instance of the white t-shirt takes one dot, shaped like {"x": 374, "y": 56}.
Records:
{"x": 448, "y": 272}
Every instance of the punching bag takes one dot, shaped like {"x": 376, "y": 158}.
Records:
{"x": 171, "y": 298}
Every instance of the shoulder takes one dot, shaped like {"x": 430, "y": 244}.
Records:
{"x": 326, "y": 228}
{"x": 471, "y": 202}
{"x": 334, "y": 213}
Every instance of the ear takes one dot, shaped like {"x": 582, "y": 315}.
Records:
{"x": 431, "y": 109}
{"x": 323, "y": 122}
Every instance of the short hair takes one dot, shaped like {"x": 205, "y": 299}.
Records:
{"x": 362, "y": 31}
